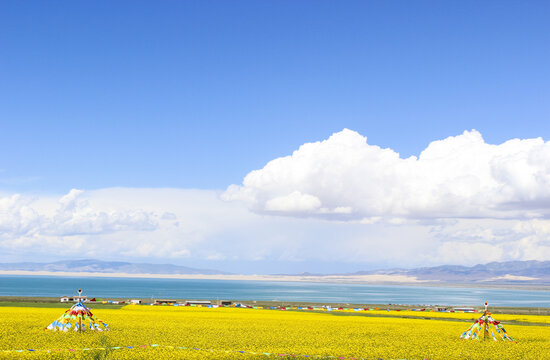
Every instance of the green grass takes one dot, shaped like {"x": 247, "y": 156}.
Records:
{"x": 59, "y": 305}
{"x": 425, "y": 316}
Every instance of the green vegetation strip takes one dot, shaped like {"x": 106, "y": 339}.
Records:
{"x": 59, "y": 305}
{"x": 422, "y": 317}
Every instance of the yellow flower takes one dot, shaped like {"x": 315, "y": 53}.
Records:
{"x": 236, "y": 333}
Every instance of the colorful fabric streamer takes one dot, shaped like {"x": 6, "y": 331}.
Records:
{"x": 197, "y": 349}
{"x": 78, "y": 318}
{"x": 486, "y": 325}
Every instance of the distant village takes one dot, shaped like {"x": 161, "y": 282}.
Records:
{"x": 172, "y": 302}
{"x": 227, "y": 303}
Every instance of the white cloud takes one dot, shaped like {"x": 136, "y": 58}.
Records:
{"x": 70, "y": 215}
{"x": 458, "y": 177}
{"x": 75, "y": 216}
{"x": 42, "y": 225}
{"x": 293, "y": 202}
{"x": 196, "y": 228}
{"x": 17, "y": 216}
{"x": 462, "y": 201}
{"x": 468, "y": 253}
{"x": 474, "y": 241}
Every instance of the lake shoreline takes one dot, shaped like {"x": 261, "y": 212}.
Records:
{"x": 31, "y": 301}
{"x": 400, "y": 280}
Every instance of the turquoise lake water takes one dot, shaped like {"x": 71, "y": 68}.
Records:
{"x": 259, "y": 290}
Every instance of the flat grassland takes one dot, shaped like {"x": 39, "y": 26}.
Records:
{"x": 166, "y": 332}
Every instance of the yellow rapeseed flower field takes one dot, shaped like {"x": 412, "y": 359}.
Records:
{"x": 220, "y": 333}
{"x": 458, "y": 315}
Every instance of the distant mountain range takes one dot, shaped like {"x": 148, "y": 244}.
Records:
{"x": 97, "y": 266}
{"x": 494, "y": 272}
{"x": 511, "y": 272}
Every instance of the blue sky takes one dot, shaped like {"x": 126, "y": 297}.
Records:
{"x": 197, "y": 94}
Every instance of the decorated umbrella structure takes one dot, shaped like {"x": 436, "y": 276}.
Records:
{"x": 487, "y": 325}
{"x": 78, "y": 318}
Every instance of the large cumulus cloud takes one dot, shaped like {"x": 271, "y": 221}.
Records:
{"x": 344, "y": 177}
{"x": 461, "y": 201}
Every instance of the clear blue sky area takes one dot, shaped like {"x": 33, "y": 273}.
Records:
{"x": 196, "y": 94}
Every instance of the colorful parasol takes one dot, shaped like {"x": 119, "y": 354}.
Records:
{"x": 487, "y": 325}
{"x": 78, "y": 318}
